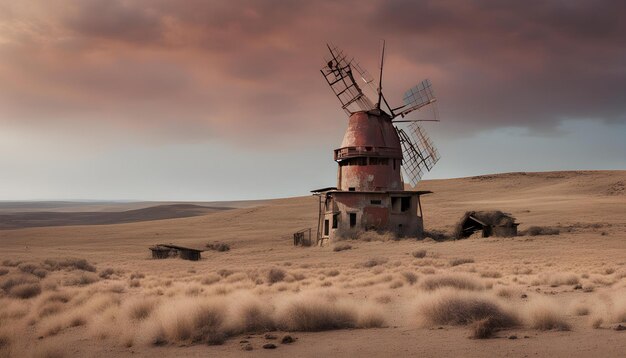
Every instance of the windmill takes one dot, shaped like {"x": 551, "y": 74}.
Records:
{"x": 380, "y": 148}
{"x": 354, "y": 87}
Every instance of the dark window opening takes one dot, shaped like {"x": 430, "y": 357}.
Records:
{"x": 400, "y": 204}
{"x": 326, "y": 229}
{"x": 351, "y": 188}
{"x": 352, "y": 219}
{"x": 354, "y": 161}
{"x": 375, "y": 202}
{"x": 335, "y": 220}
{"x": 405, "y": 203}
{"x": 379, "y": 161}
{"x": 394, "y": 164}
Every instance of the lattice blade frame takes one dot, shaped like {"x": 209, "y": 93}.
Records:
{"x": 340, "y": 73}
{"x": 419, "y": 155}
{"x": 417, "y": 97}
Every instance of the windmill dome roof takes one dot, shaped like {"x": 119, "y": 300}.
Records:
{"x": 368, "y": 129}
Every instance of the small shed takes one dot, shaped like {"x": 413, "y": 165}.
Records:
{"x": 490, "y": 223}
{"x": 164, "y": 251}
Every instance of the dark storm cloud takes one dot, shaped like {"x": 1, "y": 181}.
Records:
{"x": 246, "y": 68}
{"x": 529, "y": 64}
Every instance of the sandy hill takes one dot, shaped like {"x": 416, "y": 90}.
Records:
{"x": 51, "y": 218}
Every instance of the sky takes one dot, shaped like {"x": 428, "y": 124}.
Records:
{"x": 223, "y": 100}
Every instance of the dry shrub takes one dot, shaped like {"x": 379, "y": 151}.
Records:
{"x": 275, "y": 275}
{"x": 372, "y": 235}
{"x": 50, "y": 308}
{"x": 16, "y": 279}
{"x": 81, "y": 279}
{"x": 5, "y": 343}
{"x": 250, "y": 314}
{"x": 134, "y": 283}
{"x": 140, "y": 308}
{"x": 452, "y": 307}
{"x": 506, "y": 292}
{"x": 310, "y": 314}
{"x": 11, "y": 263}
{"x": 137, "y": 275}
{"x": 410, "y": 277}
{"x": 490, "y": 274}
{"x": 55, "y": 324}
{"x": 33, "y": 269}
{"x": 541, "y": 230}
{"x": 25, "y": 290}
{"x": 3, "y": 271}
{"x": 544, "y": 315}
{"x": 459, "y": 281}
{"x": 383, "y": 299}
{"x": 210, "y": 279}
{"x": 188, "y": 321}
{"x": 460, "y": 261}
{"x": 332, "y": 273}
{"x": 375, "y": 262}
{"x": 396, "y": 284}
{"x": 193, "y": 291}
{"x": 218, "y": 246}
{"x": 225, "y": 272}
{"x": 106, "y": 273}
{"x": 69, "y": 264}
{"x": 559, "y": 279}
{"x": 419, "y": 254}
{"x": 342, "y": 247}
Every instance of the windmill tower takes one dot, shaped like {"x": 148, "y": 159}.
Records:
{"x": 380, "y": 151}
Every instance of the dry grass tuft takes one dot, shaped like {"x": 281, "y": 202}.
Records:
{"x": 189, "y": 321}
{"x": 82, "y": 279}
{"x": 250, "y": 314}
{"x": 3, "y": 271}
{"x": 452, "y": 307}
{"x": 106, "y": 273}
{"x": 33, "y": 269}
{"x": 210, "y": 279}
{"x": 69, "y": 264}
{"x": 490, "y": 274}
{"x": 139, "y": 309}
{"x": 544, "y": 315}
{"x": 11, "y": 263}
{"x": 342, "y": 247}
{"x": 375, "y": 262}
{"x": 312, "y": 314}
{"x": 460, "y": 261}
{"x": 459, "y": 281}
{"x": 275, "y": 275}
{"x": 541, "y": 230}
{"x": 25, "y": 290}
{"x": 419, "y": 254}
{"x": 218, "y": 246}
{"x": 410, "y": 277}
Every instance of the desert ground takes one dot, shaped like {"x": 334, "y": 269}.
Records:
{"x": 558, "y": 290}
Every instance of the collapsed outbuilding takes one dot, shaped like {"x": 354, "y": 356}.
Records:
{"x": 164, "y": 251}
{"x": 490, "y": 223}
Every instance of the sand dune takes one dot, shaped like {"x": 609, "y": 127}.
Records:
{"x": 558, "y": 295}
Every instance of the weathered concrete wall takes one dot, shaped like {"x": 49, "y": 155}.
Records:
{"x": 372, "y": 216}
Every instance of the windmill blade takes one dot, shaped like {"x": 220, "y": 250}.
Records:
{"x": 343, "y": 76}
{"x": 419, "y": 155}
{"x": 418, "y": 97}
